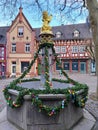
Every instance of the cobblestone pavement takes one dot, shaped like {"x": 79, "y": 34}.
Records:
{"x": 90, "y": 80}
{"x": 92, "y": 103}
{"x": 92, "y": 107}
{"x": 3, "y": 83}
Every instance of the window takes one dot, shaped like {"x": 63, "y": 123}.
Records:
{"x": 74, "y": 49}
{"x": 13, "y": 47}
{"x": 81, "y": 48}
{"x": 75, "y": 66}
{"x": 66, "y": 65}
{"x": 58, "y": 34}
{"x": 3, "y": 68}
{"x": 24, "y": 66}
{"x": 93, "y": 66}
{"x": 63, "y": 49}
{"x": 58, "y": 67}
{"x": 76, "y": 33}
{"x": 58, "y": 49}
{"x": 20, "y": 31}
{"x": 14, "y": 68}
{"x": 40, "y": 52}
{"x": 27, "y": 47}
{"x": 1, "y": 36}
{"x": 1, "y": 52}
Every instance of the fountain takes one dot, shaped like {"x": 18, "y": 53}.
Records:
{"x": 45, "y": 103}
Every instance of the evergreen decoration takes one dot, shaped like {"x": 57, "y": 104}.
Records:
{"x": 47, "y": 83}
{"x": 77, "y": 94}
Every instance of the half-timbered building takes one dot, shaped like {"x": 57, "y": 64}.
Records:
{"x": 70, "y": 43}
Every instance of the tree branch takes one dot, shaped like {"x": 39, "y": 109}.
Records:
{"x": 64, "y": 6}
{"x": 38, "y": 4}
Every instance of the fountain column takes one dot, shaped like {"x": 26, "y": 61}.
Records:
{"x": 46, "y": 44}
{"x": 46, "y": 62}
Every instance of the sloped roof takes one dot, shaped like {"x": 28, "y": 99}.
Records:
{"x": 3, "y": 31}
{"x": 23, "y": 17}
{"x": 68, "y": 30}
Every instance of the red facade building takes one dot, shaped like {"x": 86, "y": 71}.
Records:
{"x": 3, "y": 41}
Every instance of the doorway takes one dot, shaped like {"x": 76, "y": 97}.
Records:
{"x": 83, "y": 67}
{"x": 13, "y": 69}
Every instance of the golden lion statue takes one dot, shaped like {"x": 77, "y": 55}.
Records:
{"x": 46, "y": 20}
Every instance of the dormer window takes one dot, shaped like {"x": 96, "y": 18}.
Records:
{"x": 20, "y": 31}
{"x": 1, "y": 36}
{"x": 76, "y": 33}
{"x": 58, "y": 34}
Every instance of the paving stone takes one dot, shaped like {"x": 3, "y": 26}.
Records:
{"x": 92, "y": 107}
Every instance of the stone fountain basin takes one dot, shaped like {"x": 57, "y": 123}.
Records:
{"x": 28, "y": 117}
{"x": 37, "y": 85}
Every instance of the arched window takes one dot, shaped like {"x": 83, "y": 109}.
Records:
{"x": 76, "y": 33}
{"x": 58, "y": 34}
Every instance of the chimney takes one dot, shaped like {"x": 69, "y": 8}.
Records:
{"x": 20, "y": 14}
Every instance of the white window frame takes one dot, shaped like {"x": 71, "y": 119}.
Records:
{"x": 57, "y": 49}
{"x": 81, "y": 49}
{"x": 2, "y": 52}
{"x": 20, "y": 31}
{"x": 58, "y": 34}
{"x": 63, "y": 49}
{"x": 75, "y": 49}
{"x": 13, "y": 47}
{"x": 27, "y": 47}
{"x": 13, "y": 73}
{"x": 76, "y": 33}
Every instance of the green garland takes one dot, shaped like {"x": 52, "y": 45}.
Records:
{"x": 70, "y": 96}
{"x": 47, "y": 109}
{"x": 73, "y": 94}
{"x": 47, "y": 82}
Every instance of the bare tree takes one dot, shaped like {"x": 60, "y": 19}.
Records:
{"x": 62, "y": 10}
{"x": 90, "y": 49}
{"x": 92, "y": 6}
